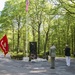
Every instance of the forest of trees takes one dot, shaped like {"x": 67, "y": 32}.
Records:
{"x": 46, "y": 22}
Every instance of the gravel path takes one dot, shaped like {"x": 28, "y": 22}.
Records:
{"x": 35, "y": 67}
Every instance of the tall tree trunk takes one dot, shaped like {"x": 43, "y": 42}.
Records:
{"x": 18, "y": 20}
{"x": 74, "y": 39}
{"x": 67, "y": 33}
{"x": 39, "y": 38}
{"x": 33, "y": 33}
{"x": 46, "y": 40}
{"x": 13, "y": 38}
{"x": 72, "y": 35}
{"x": 59, "y": 38}
{"x": 24, "y": 52}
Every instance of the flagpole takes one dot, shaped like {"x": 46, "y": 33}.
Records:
{"x": 26, "y": 32}
{"x": 27, "y": 4}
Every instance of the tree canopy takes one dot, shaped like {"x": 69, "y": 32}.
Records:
{"x": 46, "y": 22}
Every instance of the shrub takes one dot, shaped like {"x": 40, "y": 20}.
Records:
{"x": 18, "y": 56}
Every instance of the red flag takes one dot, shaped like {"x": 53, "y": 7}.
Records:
{"x": 4, "y": 44}
{"x": 27, "y": 4}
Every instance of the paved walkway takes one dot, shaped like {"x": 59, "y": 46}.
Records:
{"x": 35, "y": 67}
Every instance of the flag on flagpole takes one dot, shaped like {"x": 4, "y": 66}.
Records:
{"x": 4, "y": 44}
{"x": 27, "y": 4}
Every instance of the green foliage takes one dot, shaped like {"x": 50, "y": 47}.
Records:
{"x": 18, "y": 56}
{"x": 45, "y": 22}
{"x": 41, "y": 55}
